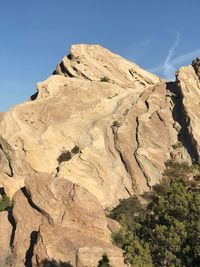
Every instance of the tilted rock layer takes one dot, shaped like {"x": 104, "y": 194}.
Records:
{"x": 98, "y": 130}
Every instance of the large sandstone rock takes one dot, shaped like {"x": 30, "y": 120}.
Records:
{"x": 98, "y": 130}
{"x": 67, "y": 204}
{"x": 78, "y": 116}
{"x": 57, "y": 220}
{"x": 27, "y": 222}
{"x": 188, "y": 81}
{"x": 77, "y": 248}
{"x": 95, "y": 63}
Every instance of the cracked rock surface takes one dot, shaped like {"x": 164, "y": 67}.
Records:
{"x": 98, "y": 130}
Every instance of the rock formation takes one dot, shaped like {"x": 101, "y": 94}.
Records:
{"x": 98, "y": 130}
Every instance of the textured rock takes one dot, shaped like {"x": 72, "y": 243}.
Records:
{"x": 98, "y": 130}
{"x": 5, "y": 234}
{"x": 113, "y": 225}
{"x": 189, "y": 85}
{"x": 27, "y": 222}
{"x": 68, "y": 205}
{"x": 77, "y": 248}
{"x": 74, "y": 224}
{"x": 95, "y": 63}
{"x": 77, "y": 112}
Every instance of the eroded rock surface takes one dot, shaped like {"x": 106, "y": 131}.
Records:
{"x": 57, "y": 220}
{"x": 5, "y": 236}
{"x": 98, "y": 130}
{"x": 79, "y": 117}
{"x": 188, "y": 79}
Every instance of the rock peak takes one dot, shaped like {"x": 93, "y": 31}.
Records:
{"x": 96, "y": 63}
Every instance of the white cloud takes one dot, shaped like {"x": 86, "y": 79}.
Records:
{"x": 170, "y": 64}
{"x": 182, "y": 59}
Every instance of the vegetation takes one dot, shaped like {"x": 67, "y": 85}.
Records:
{"x": 67, "y": 155}
{"x": 105, "y": 79}
{"x": 116, "y": 124}
{"x": 104, "y": 262}
{"x": 64, "y": 156}
{"x": 177, "y": 145}
{"x": 53, "y": 263}
{"x": 75, "y": 150}
{"x": 165, "y": 232}
{"x": 5, "y": 203}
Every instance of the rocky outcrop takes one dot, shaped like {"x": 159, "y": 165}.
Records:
{"x": 70, "y": 129}
{"x": 189, "y": 85}
{"x": 60, "y": 221}
{"x": 98, "y": 130}
{"x": 95, "y": 63}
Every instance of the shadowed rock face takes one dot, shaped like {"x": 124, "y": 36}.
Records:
{"x": 196, "y": 66}
{"x": 98, "y": 130}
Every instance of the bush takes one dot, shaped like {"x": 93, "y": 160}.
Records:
{"x": 75, "y": 150}
{"x": 127, "y": 208}
{"x": 5, "y": 203}
{"x": 105, "y": 79}
{"x": 64, "y": 156}
{"x": 104, "y": 262}
{"x": 167, "y": 231}
{"x": 177, "y": 145}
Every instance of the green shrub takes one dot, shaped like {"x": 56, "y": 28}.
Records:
{"x": 167, "y": 231}
{"x": 116, "y": 124}
{"x": 64, "y": 156}
{"x": 105, "y": 79}
{"x": 104, "y": 262}
{"x": 5, "y": 203}
{"x": 75, "y": 150}
{"x": 177, "y": 145}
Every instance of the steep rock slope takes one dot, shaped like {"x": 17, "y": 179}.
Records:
{"x": 98, "y": 130}
{"x": 188, "y": 82}
{"x": 78, "y": 118}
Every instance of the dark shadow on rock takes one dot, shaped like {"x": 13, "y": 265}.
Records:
{"x": 34, "y": 96}
{"x": 32, "y": 204}
{"x": 64, "y": 70}
{"x": 53, "y": 263}
{"x": 11, "y": 219}
{"x": 29, "y": 253}
{"x": 179, "y": 115}
{"x": 2, "y": 192}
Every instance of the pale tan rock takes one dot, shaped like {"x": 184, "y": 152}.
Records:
{"x": 68, "y": 205}
{"x": 99, "y": 130}
{"x": 5, "y": 236}
{"x": 74, "y": 224}
{"x": 189, "y": 85}
{"x": 27, "y": 221}
{"x": 78, "y": 111}
{"x": 113, "y": 225}
{"x": 150, "y": 124}
{"x": 96, "y": 63}
{"x": 77, "y": 248}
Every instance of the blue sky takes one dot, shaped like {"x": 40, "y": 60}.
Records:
{"x": 158, "y": 35}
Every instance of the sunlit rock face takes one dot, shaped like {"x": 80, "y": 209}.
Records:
{"x": 86, "y": 110}
{"x": 98, "y": 130}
